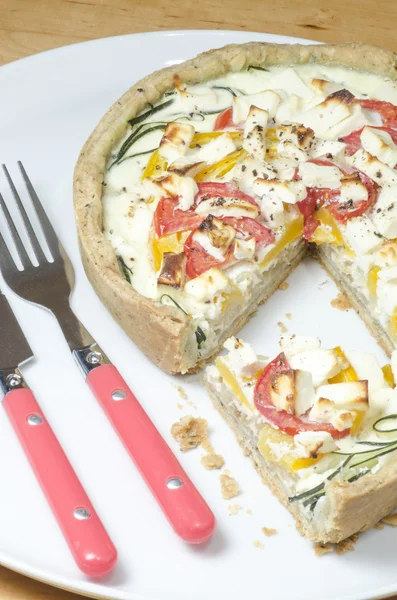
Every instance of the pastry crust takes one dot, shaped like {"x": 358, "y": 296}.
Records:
{"x": 163, "y": 332}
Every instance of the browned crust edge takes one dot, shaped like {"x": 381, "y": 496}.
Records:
{"x": 162, "y": 332}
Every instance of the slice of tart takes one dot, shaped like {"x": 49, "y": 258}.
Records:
{"x": 320, "y": 426}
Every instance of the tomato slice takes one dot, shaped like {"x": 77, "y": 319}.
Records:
{"x": 386, "y": 110}
{"x": 353, "y": 140}
{"x": 169, "y": 219}
{"x": 224, "y": 120}
{"x": 342, "y": 212}
{"x": 251, "y": 228}
{"x": 281, "y": 419}
{"x": 199, "y": 261}
{"x": 213, "y": 189}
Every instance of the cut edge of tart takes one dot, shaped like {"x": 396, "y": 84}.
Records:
{"x": 321, "y": 438}
{"x": 163, "y": 330}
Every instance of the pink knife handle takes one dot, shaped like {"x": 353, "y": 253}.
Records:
{"x": 185, "y": 508}
{"x": 88, "y": 541}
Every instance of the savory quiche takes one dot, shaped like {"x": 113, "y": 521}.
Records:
{"x": 208, "y": 182}
{"x": 320, "y": 427}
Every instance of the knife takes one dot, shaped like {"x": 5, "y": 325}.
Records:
{"x": 82, "y": 529}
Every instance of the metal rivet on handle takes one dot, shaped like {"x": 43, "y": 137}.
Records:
{"x": 34, "y": 420}
{"x": 81, "y": 514}
{"x": 14, "y": 380}
{"x": 119, "y": 395}
{"x": 94, "y": 358}
{"x": 174, "y": 483}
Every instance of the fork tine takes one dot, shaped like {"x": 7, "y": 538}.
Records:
{"x": 23, "y": 255}
{"x": 29, "y": 229}
{"x": 7, "y": 264}
{"x": 53, "y": 241}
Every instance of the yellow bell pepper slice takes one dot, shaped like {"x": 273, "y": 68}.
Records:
{"x": 172, "y": 242}
{"x": 220, "y": 168}
{"x": 270, "y": 437}
{"x": 293, "y": 230}
{"x": 231, "y": 381}
{"x": 393, "y": 325}
{"x": 372, "y": 280}
{"x": 358, "y": 421}
{"x": 388, "y": 374}
{"x": 156, "y": 165}
{"x": 328, "y": 231}
{"x": 200, "y": 139}
{"x": 347, "y": 374}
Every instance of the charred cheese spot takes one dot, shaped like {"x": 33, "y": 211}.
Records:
{"x": 173, "y": 270}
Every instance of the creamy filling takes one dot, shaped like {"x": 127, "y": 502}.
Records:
{"x": 282, "y": 96}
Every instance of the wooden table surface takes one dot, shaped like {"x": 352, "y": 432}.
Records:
{"x": 30, "y": 26}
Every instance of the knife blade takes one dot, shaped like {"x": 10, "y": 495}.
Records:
{"x": 14, "y": 347}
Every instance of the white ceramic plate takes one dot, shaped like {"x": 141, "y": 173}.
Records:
{"x": 49, "y": 104}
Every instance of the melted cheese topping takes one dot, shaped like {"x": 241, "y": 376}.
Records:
{"x": 264, "y": 147}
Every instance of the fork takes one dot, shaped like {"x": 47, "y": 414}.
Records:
{"x": 49, "y": 285}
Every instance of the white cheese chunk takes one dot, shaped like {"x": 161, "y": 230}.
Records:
{"x": 289, "y": 81}
{"x": 295, "y": 344}
{"x": 242, "y": 358}
{"x": 190, "y": 102}
{"x": 207, "y": 285}
{"x": 321, "y": 363}
{"x": 266, "y": 100}
{"x": 300, "y": 136}
{"x": 249, "y": 170}
{"x": 380, "y": 144}
{"x": 304, "y": 392}
{"x": 289, "y": 192}
{"x": 367, "y": 367}
{"x": 386, "y": 292}
{"x": 215, "y": 238}
{"x": 374, "y": 168}
{"x": 309, "y": 444}
{"x": 288, "y": 109}
{"x": 176, "y": 140}
{"x": 349, "y": 395}
{"x": 325, "y": 87}
{"x": 324, "y": 115}
{"x": 254, "y": 140}
{"x": 356, "y": 120}
{"x": 216, "y": 149}
{"x": 361, "y": 235}
{"x": 329, "y": 148}
{"x": 384, "y": 213}
{"x": 185, "y": 188}
{"x": 272, "y": 207}
{"x": 289, "y": 150}
{"x": 244, "y": 249}
{"x": 320, "y": 176}
{"x": 352, "y": 190}
{"x": 227, "y": 207}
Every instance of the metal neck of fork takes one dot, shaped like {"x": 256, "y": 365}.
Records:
{"x": 10, "y": 380}
{"x": 89, "y": 358}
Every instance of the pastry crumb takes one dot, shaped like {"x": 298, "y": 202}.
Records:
{"x": 341, "y": 302}
{"x": 390, "y": 520}
{"x": 321, "y": 549}
{"x": 192, "y": 404}
{"x": 229, "y": 487}
{"x": 257, "y": 544}
{"x": 268, "y": 531}
{"x": 347, "y": 545}
{"x": 207, "y": 446}
{"x": 284, "y": 285}
{"x": 189, "y": 432}
{"x": 282, "y": 327}
{"x": 288, "y": 315}
{"x": 234, "y": 509}
{"x": 248, "y": 511}
{"x": 213, "y": 461}
{"x": 379, "y": 526}
{"x": 181, "y": 392}
{"x": 179, "y": 405}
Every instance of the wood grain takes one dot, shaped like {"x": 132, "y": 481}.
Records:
{"x": 30, "y": 26}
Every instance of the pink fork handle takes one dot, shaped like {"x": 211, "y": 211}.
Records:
{"x": 88, "y": 541}
{"x": 185, "y": 508}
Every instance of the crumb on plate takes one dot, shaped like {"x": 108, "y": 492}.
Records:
{"x": 390, "y": 520}
{"x": 341, "y": 302}
{"x": 288, "y": 315}
{"x": 189, "y": 432}
{"x": 213, "y": 461}
{"x": 284, "y": 285}
{"x": 179, "y": 405}
{"x": 268, "y": 531}
{"x": 182, "y": 392}
{"x": 229, "y": 487}
{"x": 282, "y": 327}
{"x": 234, "y": 509}
{"x": 347, "y": 545}
{"x": 248, "y": 511}
{"x": 257, "y": 544}
{"x": 379, "y": 525}
{"x": 321, "y": 549}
